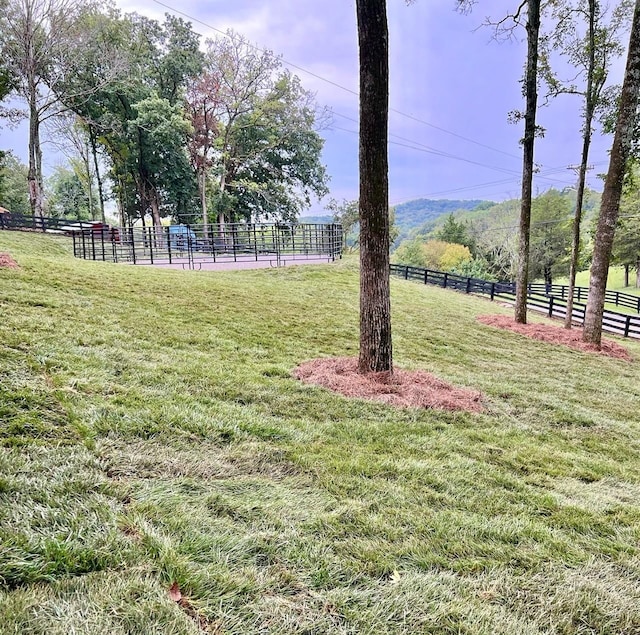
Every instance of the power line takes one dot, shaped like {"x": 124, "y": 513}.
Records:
{"x": 340, "y": 86}
{"x": 492, "y": 183}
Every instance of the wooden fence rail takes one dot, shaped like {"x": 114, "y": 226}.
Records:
{"x": 541, "y": 298}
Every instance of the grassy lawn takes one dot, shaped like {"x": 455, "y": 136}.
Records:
{"x": 615, "y": 282}
{"x": 151, "y": 434}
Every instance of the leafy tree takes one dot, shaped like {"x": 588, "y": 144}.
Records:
{"x": 609, "y": 208}
{"x": 266, "y": 154}
{"x": 38, "y": 47}
{"x": 137, "y": 114}
{"x": 474, "y": 268}
{"x": 347, "y": 214}
{"x": 591, "y": 54}
{"x": 432, "y": 254}
{"x": 14, "y": 190}
{"x": 454, "y": 256}
{"x": 168, "y": 174}
{"x": 505, "y": 27}
{"x": 375, "y": 304}
{"x": 456, "y": 232}
{"x": 203, "y": 110}
{"x": 626, "y": 243}
{"x": 550, "y": 235}
{"x": 69, "y": 197}
{"x": 411, "y": 252}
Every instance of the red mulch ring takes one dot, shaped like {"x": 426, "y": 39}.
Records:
{"x": 555, "y": 335}
{"x": 7, "y": 261}
{"x": 405, "y": 389}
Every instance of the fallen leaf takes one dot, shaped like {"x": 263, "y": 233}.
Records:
{"x": 175, "y": 593}
{"x": 395, "y": 577}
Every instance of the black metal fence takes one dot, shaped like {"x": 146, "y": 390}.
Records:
{"x": 542, "y": 298}
{"x": 35, "y": 223}
{"x": 191, "y": 246}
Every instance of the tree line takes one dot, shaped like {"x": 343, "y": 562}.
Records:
{"x": 215, "y": 132}
{"x": 489, "y": 235}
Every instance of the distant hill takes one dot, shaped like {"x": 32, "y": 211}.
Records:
{"x": 318, "y": 218}
{"x": 420, "y": 214}
{"x": 423, "y": 213}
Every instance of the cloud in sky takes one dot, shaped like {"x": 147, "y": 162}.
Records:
{"x": 451, "y": 90}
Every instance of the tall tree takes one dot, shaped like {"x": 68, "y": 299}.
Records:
{"x": 610, "y": 204}
{"x": 203, "y": 110}
{"x": 591, "y": 54}
{"x": 550, "y": 235}
{"x": 14, "y": 192}
{"x": 528, "y": 142}
{"x": 141, "y": 107}
{"x": 266, "y": 154}
{"x": 626, "y": 245}
{"x": 375, "y": 304}
{"x": 39, "y": 38}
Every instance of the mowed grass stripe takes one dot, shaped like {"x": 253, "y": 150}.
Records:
{"x": 151, "y": 433}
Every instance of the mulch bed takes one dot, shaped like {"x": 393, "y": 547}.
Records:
{"x": 7, "y": 261}
{"x": 556, "y": 335}
{"x": 405, "y": 389}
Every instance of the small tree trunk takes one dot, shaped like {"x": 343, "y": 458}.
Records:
{"x": 610, "y": 203}
{"x": 626, "y": 274}
{"x": 203, "y": 201}
{"x": 375, "y": 303}
{"x": 582, "y": 174}
{"x": 638, "y": 273}
{"x": 533, "y": 29}
{"x": 94, "y": 152}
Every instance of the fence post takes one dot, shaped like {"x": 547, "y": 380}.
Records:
{"x": 426, "y": 277}
{"x": 627, "y": 325}
{"x": 133, "y": 245}
{"x": 550, "y": 306}
{"x": 468, "y": 285}
{"x": 493, "y": 290}
{"x": 444, "y": 280}
{"x": 406, "y": 272}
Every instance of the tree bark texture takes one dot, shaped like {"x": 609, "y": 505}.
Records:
{"x": 94, "y": 152}
{"x": 528, "y": 142}
{"x": 582, "y": 173}
{"x": 375, "y": 303}
{"x": 610, "y": 202}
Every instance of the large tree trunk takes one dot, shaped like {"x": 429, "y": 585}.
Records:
{"x": 582, "y": 174}
{"x": 533, "y": 29}
{"x": 375, "y": 304}
{"x": 35, "y": 157}
{"x": 610, "y": 203}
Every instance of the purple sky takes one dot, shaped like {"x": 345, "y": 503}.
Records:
{"x": 445, "y": 71}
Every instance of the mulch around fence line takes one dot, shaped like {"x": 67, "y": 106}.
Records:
{"x": 556, "y": 335}
{"x": 7, "y": 261}
{"x": 404, "y": 388}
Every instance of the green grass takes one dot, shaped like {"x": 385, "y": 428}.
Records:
{"x": 151, "y": 433}
{"x": 615, "y": 281}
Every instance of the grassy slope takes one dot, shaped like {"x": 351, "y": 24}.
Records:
{"x": 615, "y": 280}
{"x": 151, "y": 433}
